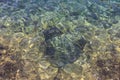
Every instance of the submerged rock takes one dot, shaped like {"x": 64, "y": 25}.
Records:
{"x": 61, "y": 50}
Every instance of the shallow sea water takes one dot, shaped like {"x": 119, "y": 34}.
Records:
{"x": 59, "y": 39}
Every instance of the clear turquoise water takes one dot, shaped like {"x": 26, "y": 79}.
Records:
{"x": 64, "y": 32}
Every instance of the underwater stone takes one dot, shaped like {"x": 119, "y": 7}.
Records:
{"x": 60, "y": 50}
